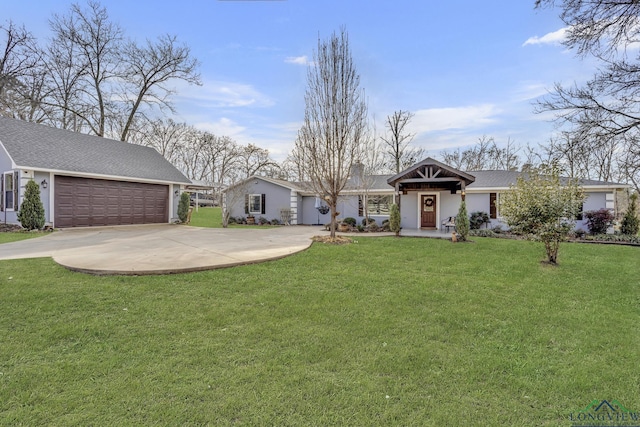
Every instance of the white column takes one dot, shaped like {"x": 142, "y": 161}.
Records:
{"x": 294, "y": 207}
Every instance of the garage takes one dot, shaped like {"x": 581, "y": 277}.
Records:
{"x": 84, "y": 202}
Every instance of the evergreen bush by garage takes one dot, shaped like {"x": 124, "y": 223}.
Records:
{"x": 31, "y": 214}
{"x": 630, "y": 222}
{"x": 183, "y": 207}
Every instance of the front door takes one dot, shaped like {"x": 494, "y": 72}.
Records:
{"x": 428, "y": 211}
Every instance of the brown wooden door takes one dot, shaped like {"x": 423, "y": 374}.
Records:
{"x": 428, "y": 211}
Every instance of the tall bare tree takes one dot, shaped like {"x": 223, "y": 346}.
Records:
{"x": 603, "y": 115}
{"x": 396, "y": 143}
{"x": 146, "y": 70}
{"x": 335, "y": 121}
{"x": 21, "y": 74}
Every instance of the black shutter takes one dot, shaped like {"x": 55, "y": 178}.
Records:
{"x": 360, "y": 210}
{"x": 263, "y": 207}
{"x": 246, "y": 204}
{"x": 16, "y": 190}
{"x": 1, "y": 192}
{"x": 493, "y": 209}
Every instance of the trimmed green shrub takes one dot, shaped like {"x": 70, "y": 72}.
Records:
{"x": 478, "y": 219}
{"x": 462, "y": 222}
{"x": 598, "y": 221}
{"x": 350, "y": 221}
{"x": 31, "y": 214}
{"x": 183, "y": 207}
{"x": 394, "y": 219}
{"x": 630, "y": 223}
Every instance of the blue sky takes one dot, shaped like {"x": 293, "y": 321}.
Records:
{"x": 466, "y": 68}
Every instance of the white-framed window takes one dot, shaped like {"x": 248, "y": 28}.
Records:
{"x": 10, "y": 190}
{"x": 255, "y": 204}
{"x": 379, "y": 205}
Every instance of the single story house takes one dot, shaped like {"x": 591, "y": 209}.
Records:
{"x": 428, "y": 193}
{"x": 85, "y": 180}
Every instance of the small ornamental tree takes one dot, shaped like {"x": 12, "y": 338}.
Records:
{"x": 31, "y": 215}
{"x": 462, "y": 222}
{"x": 598, "y": 221}
{"x": 630, "y": 223}
{"x": 542, "y": 208}
{"x": 394, "y": 219}
{"x": 183, "y": 207}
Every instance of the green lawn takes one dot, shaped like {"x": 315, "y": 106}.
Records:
{"x": 212, "y": 218}
{"x": 19, "y": 235}
{"x": 385, "y": 331}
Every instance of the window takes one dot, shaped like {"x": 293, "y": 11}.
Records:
{"x": 10, "y": 190}
{"x": 255, "y": 204}
{"x": 376, "y": 205}
{"x": 493, "y": 205}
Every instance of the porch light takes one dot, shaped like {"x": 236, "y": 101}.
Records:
{"x": 44, "y": 183}
{"x": 177, "y": 192}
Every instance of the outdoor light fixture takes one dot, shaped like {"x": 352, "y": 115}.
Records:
{"x": 176, "y": 192}
{"x": 44, "y": 183}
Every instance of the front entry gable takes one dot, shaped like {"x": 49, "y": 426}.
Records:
{"x": 430, "y": 174}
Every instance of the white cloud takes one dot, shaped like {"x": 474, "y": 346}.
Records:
{"x": 441, "y": 119}
{"x": 555, "y": 37}
{"x": 298, "y": 60}
{"x": 529, "y": 91}
{"x": 217, "y": 94}
{"x": 223, "y": 126}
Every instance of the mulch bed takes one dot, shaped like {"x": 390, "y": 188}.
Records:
{"x": 338, "y": 240}
{"x": 8, "y": 228}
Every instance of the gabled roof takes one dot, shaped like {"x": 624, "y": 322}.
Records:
{"x": 435, "y": 171}
{"x": 34, "y": 146}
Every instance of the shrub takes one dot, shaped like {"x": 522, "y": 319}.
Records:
{"x": 361, "y": 228}
{"x": 630, "y": 223}
{"x": 598, "y": 221}
{"x": 373, "y": 227}
{"x": 482, "y": 233}
{"x": 478, "y": 219}
{"x": 368, "y": 221}
{"x": 462, "y": 222}
{"x": 350, "y": 221}
{"x": 394, "y": 219}
{"x": 263, "y": 221}
{"x": 497, "y": 229}
{"x": 183, "y": 207}
{"x": 232, "y": 220}
{"x": 275, "y": 221}
{"x": 31, "y": 214}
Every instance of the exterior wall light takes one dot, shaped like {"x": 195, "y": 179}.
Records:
{"x": 44, "y": 183}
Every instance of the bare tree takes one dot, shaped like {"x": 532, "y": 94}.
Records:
{"x": 335, "y": 121}
{"x": 602, "y": 115}
{"x": 146, "y": 70}
{"x": 167, "y": 136}
{"x": 485, "y": 155}
{"x": 21, "y": 75}
{"x": 254, "y": 159}
{"x": 397, "y": 151}
{"x": 97, "y": 44}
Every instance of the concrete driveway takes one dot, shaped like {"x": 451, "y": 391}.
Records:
{"x": 161, "y": 249}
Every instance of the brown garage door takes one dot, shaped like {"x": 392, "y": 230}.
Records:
{"x": 82, "y": 202}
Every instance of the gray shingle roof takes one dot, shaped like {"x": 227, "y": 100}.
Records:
{"x": 34, "y": 146}
{"x": 502, "y": 179}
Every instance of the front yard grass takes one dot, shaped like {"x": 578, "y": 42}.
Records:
{"x": 385, "y": 331}
{"x": 7, "y": 237}
{"x": 211, "y": 217}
